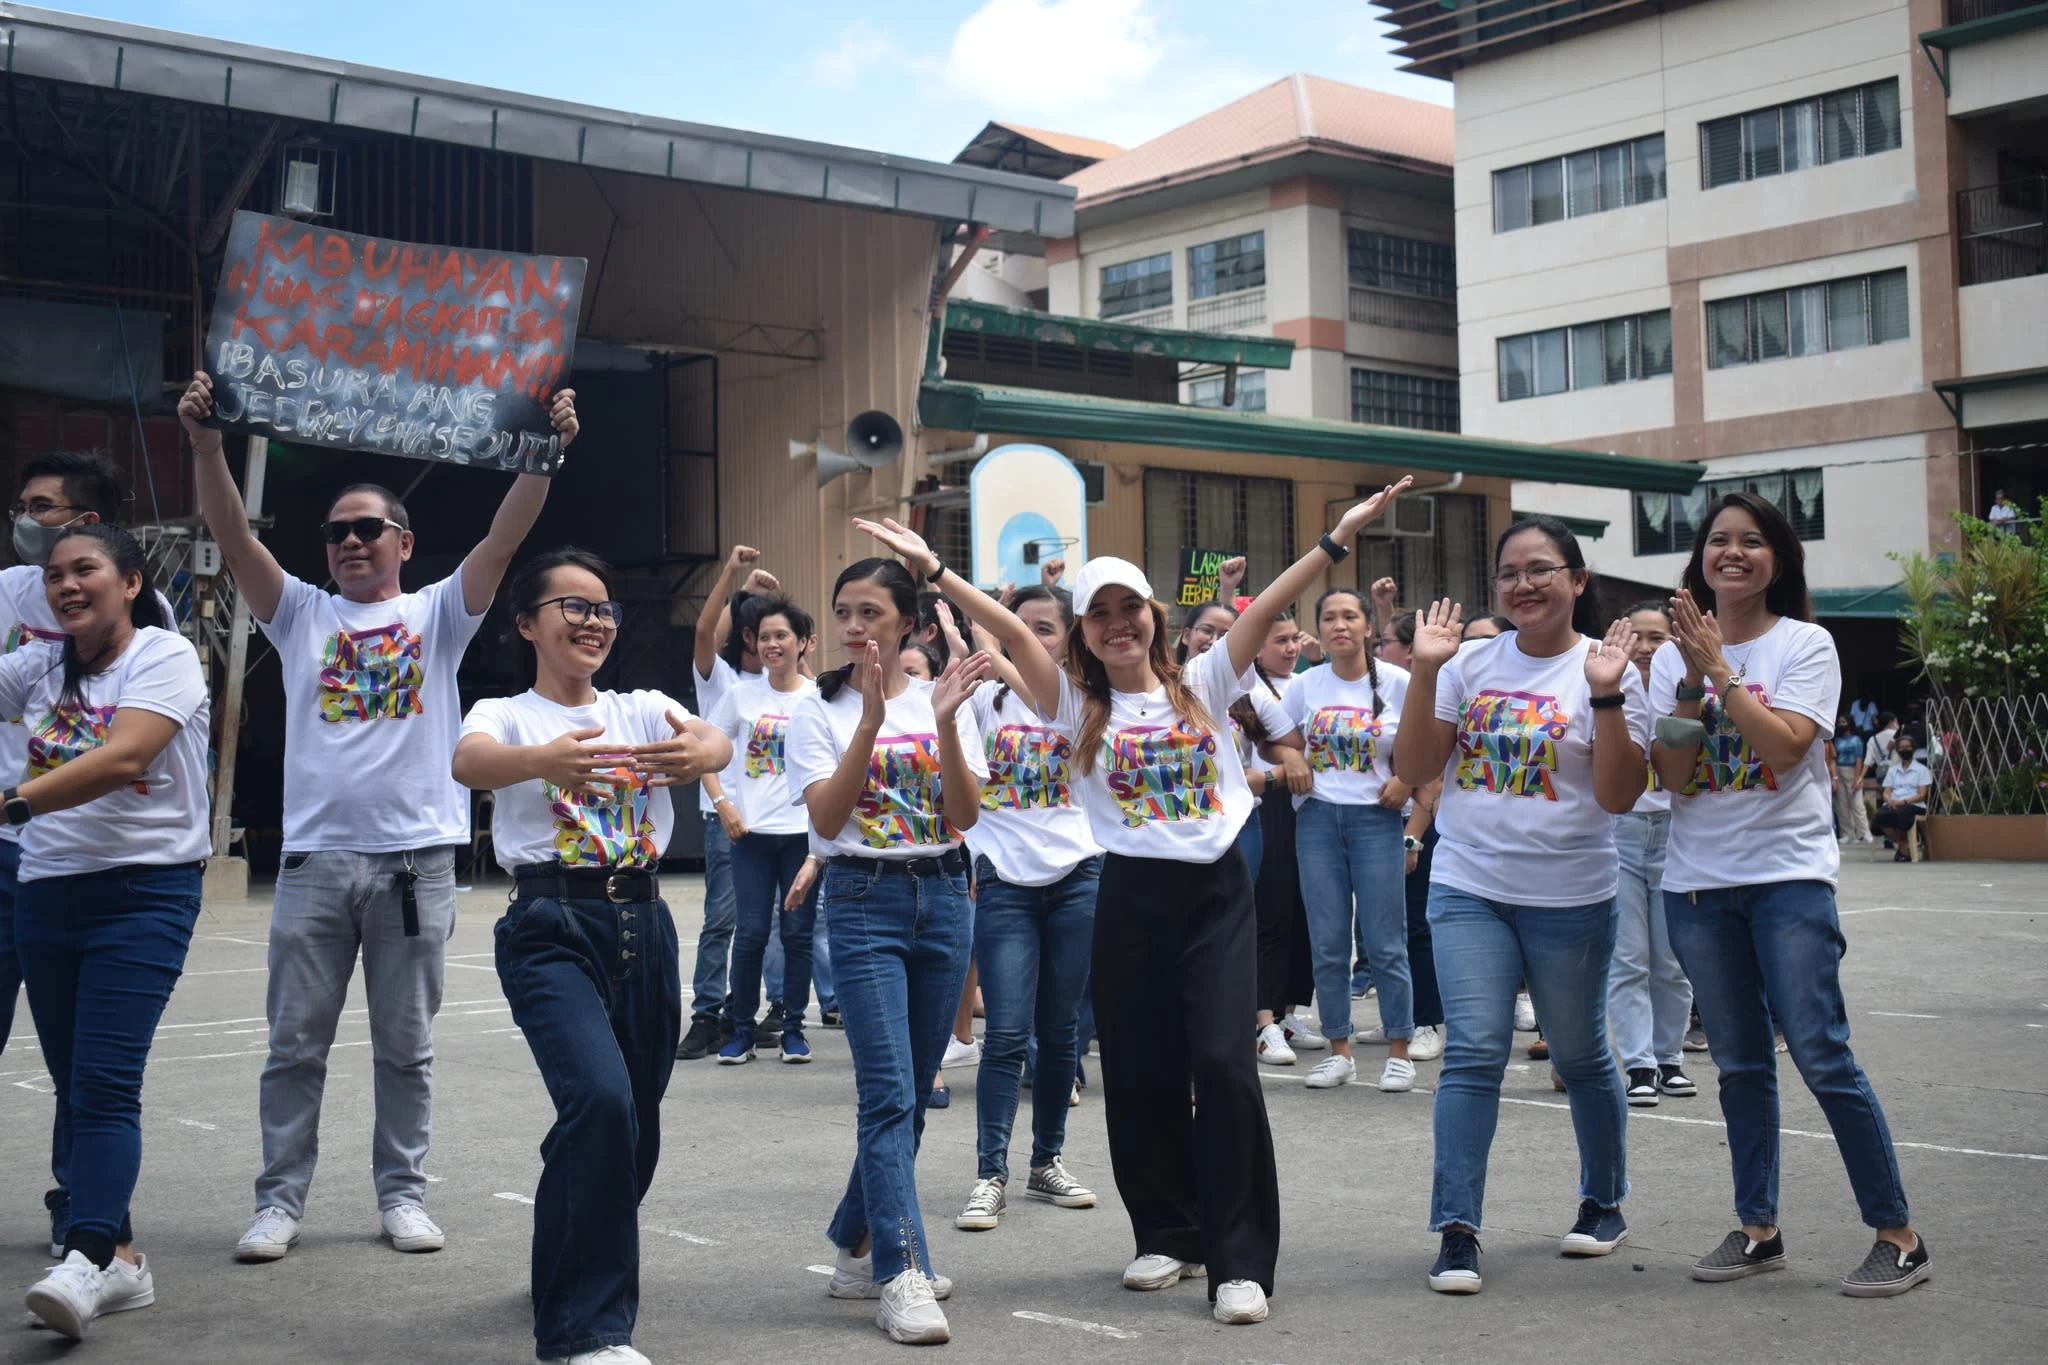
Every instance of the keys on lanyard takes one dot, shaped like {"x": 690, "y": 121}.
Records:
{"x": 408, "y": 898}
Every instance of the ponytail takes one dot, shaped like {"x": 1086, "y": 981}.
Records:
{"x": 830, "y": 683}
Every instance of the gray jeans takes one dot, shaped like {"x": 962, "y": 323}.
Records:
{"x": 330, "y": 905}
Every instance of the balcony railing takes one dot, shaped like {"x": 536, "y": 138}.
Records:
{"x": 1231, "y": 312}
{"x": 1151, "y": 317}
{"x": 2002, "y": 230}
{"x": 1409, "y": 312}
{"x": 1964, "y": 11}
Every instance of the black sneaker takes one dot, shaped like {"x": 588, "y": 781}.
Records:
{"x": 773, "y": 1023}
{"x": 1737, "y": 1257}
{"x": 829, "y": 1018}
{"x": 1887, "y": 1271}
{"x": 1642, "y": 1087}
{"x": 1597, "y": 1232}
{"x": 704, "y": 1037}
{"x": 1673, "y": 1081}
{"x": 1457, "y": 1265}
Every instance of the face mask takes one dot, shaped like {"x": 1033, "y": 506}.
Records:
{"x": 33, "y": 541}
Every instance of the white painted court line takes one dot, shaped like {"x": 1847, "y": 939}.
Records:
{"x": 819, "y": 1269}
{"x": 473, "y": 967}
{"x": 689, "y": 1237}
{"x": 1098, "y": 1328}
{"x": 1937, "y": 910}
{"x": 1896, "y": 1014}
{"x": 228, "y": 971}
{"x": 515, "y": 1198}
{"x": 195, "y": 1123}
{"x": 1636, "y": 1114}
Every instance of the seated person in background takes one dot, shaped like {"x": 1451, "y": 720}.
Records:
{"x": 1906, "y": 784}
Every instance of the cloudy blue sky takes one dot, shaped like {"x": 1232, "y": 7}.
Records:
{"x": 917, "y": 79}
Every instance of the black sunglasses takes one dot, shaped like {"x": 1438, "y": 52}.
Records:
{"x": 577, "y": 611}
{"x": 364, "y": 529}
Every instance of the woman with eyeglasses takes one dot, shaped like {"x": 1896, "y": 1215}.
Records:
{"x": 112, "y": 814}
{"x": 770, "y": 843}
{"x": 586, "y": 952}
{"x": 1537, "y": 735}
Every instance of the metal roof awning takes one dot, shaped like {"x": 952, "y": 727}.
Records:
{"x": 1090, "y": 334}
{"x": 1586, "y": 528}
{"x": 1033, "y": 412}
{"x": 315, "y": 90}
{"x": 1953, "y": 391}
{"x": 1882, "y": 604}
{"x": 1945, "y": 39}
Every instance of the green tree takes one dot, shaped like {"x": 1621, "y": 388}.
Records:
{"x": 1976, "y": 622}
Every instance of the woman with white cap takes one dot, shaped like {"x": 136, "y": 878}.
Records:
{"x": 1175, "y": 944}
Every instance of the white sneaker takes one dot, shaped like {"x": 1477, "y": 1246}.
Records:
{"x": 603, "y": 1355}
{"x": 1398, "y": 1076}
{"x": 68, "y": 1296}
{"x": 1161, "y": 1272}
{"x": 1525, "y": 1013}
{"x": 985, "y": 1207}
{"x": 853, "y": 1277}
{"x": 1428, "y": 1043}
{"x": 1273, "y": 1049}
{"x": 1331, "y": 1072}
{"x": 408, "y": 1228}
{"x": 960, "y": 1054}
{"x": 910, "y": 1313}
{"x": 272, "y": 1232}
{"x": 1240, "y": 1301}
{"x": 1301, "y": 1033}
{"x": 1376, "y": 1034}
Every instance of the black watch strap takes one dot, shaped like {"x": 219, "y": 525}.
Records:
{"x": 15, "y": 806}
{"x": 938, "y": 572}
{"x": 1337, "y": 553}
{"x": 1609, "y": 702}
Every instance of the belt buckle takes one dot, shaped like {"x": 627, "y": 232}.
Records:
{"x": 612, "y": 892}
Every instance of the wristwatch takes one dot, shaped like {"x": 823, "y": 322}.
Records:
{"x": 1411, "y": 844}
{"x": 16, "y": 806}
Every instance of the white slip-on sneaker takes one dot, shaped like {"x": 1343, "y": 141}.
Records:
{"x": 1273, "y": 1049}
{"x": 1398, "y": 1076}
{"x": 910, "y": 1312}
{"x": 853, "y": 1277}
{"x": 67, "y": 1298}
{"x": 407, "y": 1228}
{"x": 985, "y": 1207}
{"x": 1240, "y": 1301}
{"x": 603, "y": 1355}
{"x": 1377, "y": 1034}
{"x": 1427, "y": 1045}
{"x": 960, "y": 1054}
{"x": 1160, "y": 1272}
{"x": 1301, "y": 1033}
{"x": 272, "y": 1232}
{"x": 126, "y": 1284}
{"x": 1331, "y": 1072}
{"x": 1525, "y": 1013}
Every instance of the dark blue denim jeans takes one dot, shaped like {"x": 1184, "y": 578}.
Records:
{"x": 595, "y": 988}
{"x": 764, "y": 867}
{"x": 10, "y": 989}
{"x": 902, "y": 947}
{"x": 709, "y": 997}
{"x": 1032, "y": 944}
{"x": 1758, "y": 953}
{"x": 101, "y": 952}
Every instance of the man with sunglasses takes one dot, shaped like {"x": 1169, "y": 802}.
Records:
{"x": 372, "y": 816}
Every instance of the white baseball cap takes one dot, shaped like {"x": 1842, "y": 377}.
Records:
{"x": 1106, "y": 571}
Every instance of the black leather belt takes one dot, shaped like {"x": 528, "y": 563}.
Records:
{"x": 619, "y": 885}
{"x": 950, "y": 861}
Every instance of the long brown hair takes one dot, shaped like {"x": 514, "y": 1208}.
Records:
{"x": 1092, "y": 678}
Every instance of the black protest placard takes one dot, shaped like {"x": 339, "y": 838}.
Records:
{"x": 335, "y": 339}
{"x": 1198, "y": 571}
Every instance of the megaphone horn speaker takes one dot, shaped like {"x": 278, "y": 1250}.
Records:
{"x": 875, "y": 438}
{"x": 799, "y": 449}
{"x": 831, "y": 464}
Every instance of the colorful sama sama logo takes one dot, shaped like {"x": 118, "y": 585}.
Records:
{"x": 1163, "y": 773}
{"x": 372, "y": 674}
{"x": 1507, "y": 744}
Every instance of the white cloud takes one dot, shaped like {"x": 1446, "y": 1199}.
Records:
{"x": 859, "y": 51}
{"x": 1054, "y": 56}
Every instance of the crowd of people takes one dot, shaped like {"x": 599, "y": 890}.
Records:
{"x": 1045, "y": 805}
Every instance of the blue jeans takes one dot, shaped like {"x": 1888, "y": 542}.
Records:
{"x": 101, "y": 952}
{"x": 10, "y": 989}
{"x": 594, "y": 987}
{"x": 1484, "y": 951}
{"x": 1649, "y": 1001}
{"x": 714, "y": 944}
{"x": 1251, "y": 841}
{"x": 764, "y": 867}
{"x": 1032, "y": 944}
{"x": 1759, "y": 953}
{"x": 1353, "y": 854}
{"x": 903, "y": 948}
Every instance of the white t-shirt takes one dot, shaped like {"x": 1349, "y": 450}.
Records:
{"x": 711, "y": 689}
{"x": 899, "y": 812}
{"x": 1738, "y": 823}
{"x": 1905, "y": 780}
{"x": 756, "y": 718}
{"x": 537, "y": 822}
{"x": 1350, "y": 745}
{"x": 1030, "y": 829}
{"x": 1518, "y": 822}
{"x": 1161, "y": 786}
{"x": 1654, "y": 800}
{"x": 371, "y": 717}
{"x": 158, "y": 821}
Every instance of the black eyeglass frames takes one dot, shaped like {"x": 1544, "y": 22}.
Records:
{"x": 577, "y": 611}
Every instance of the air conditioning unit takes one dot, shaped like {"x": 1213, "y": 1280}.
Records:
{"x": 1412, "y": 516}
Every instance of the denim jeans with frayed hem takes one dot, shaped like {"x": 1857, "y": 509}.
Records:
{"x": 902, "y": 942}
{"x": 1484, "y": 951}
{"x": 1351, "y": 870}
{"x": 1774, "y": 952}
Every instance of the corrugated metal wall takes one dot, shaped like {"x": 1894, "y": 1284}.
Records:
{"x": 817, "y": 312}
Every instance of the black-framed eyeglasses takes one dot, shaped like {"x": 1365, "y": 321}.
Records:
{"x": 42, "y": 507}
{"x": 577, "y": 611}
{"x": 364, "y": 529}
{"x": 1536, "y": 576}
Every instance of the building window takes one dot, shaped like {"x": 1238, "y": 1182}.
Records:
{"x": 1189, "y": 511}
{"x": 1863, "y": 310}
{"x": 1227, "y": 266}
{"x": 1666, "y": 523}
{"x": 1793, "y": 137}
{"x": 1586, "y": 356}
{"x": 1407, "y": 265}
{"x": 1610, "y": 177}
{"x": 1456, "y": 562}
{"x": 1251, "y": 393}
{"x": 1137, "y": 286}
{"x": 1404, "y": 400}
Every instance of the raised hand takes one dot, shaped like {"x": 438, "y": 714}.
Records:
{"x": 762, "y": 583}
{"x": 1051, "y": 571}
{"x": 902, "y": 542}
{"x": 1698, "y": 636}
{"x": 949, "y": 626}
{"x": 1384, "y": 593}
{"x": 673, "y": 762}
{"x": 1608, "y": 659}
{"x": 1229, "y": 574}
{"x": 571, "y": 763}
{"x": 1438, "y": 633}
{"x": 874, "y": 707}
{"x": 194, "y": 407}
{"x": 1369, "y": 511}
{"x": 562, "y": 412}
{"x": 742, "y": 558}
{"x": 959, "y": 680}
